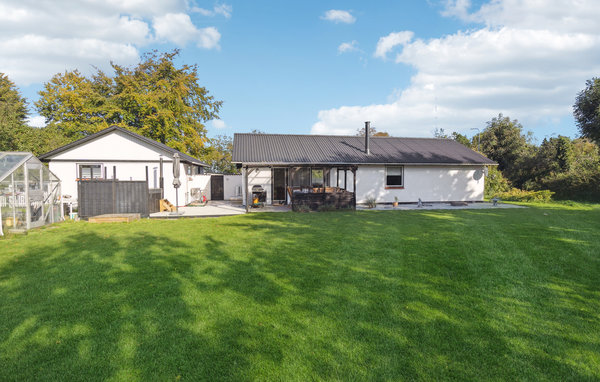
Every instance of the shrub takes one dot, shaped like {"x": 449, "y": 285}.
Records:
{"x": 516, "y": 195}
{"x": 371, "y": 202}
{"x": 302, "y": 208}
{"x": 495, "y": 182}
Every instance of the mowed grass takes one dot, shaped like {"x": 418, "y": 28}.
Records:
{"x": 500, "y": 294}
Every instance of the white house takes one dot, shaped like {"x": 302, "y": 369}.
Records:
{"x": 382, "y": 168}
{"x": 130, "y": 156}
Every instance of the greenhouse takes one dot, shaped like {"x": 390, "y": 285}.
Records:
{"x": 29, "y": 193}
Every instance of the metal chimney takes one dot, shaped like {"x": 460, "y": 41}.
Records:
{"x": 367, "y": 133}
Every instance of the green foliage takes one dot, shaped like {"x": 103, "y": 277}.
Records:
{"x": 372, "y": 132}
{"x": 495, "y": 182}
{"x": 460, "y": 138}
{"x": 517, "y": 195}
{"x": 587, "y": 110}
{"x": 155, "y": 98}
{"x": 371, "y": 202}
{"x": 218, "y": 155}
{"x": 504, "y": 142}
{"x": 71, "y": 104}
{"x": 13, "y": 117}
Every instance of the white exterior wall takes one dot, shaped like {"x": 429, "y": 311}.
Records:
{"x": 430, "y": 183}
{"x": 130, "y": 157}
{"x": 258, "y": 176}
{"x": 196, "y": 181}
{"x": 233, "y": 185}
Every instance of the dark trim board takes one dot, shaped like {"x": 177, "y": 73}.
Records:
{"x": 112, "y": 160}
{"x": 184, "y": 157}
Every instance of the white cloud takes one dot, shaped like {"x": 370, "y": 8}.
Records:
{"x": 36, "y": 121}
{"x": 347, "y": 47}
{"x": 387, "y": 43}
{"x": 39, "y": 39}
{"x": 528, "y": 62}
{"x": 339, "y": 16}
{"x": 219, "y": 124}
{"x": 178, "y": 28}
{"x": 224, "y": 10}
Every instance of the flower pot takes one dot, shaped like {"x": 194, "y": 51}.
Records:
{"x": 395, "y": 204}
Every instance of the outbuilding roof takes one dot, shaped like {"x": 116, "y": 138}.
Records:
{"x": 271, "y": 149}
{"x": 183, "y": 157}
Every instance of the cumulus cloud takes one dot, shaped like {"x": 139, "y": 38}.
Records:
{"x": 36, "y": 121}
{"x": 39, "y": 39}
{"x": 387, "y": 43}
{"x": 339, "y": 16}
{"x": 219, "y": 124}
{"x": 347, "y": 47}
{"x": 224, "y": 10}
{"x": 178, "y": 28}
{"x": 528, "y": 60}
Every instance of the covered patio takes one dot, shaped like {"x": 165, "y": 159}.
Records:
{"x": 311, "y": 187}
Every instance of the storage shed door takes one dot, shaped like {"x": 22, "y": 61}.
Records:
{"x": 216, "y": 187}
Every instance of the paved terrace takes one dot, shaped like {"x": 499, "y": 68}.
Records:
{"x": 215, "y": 209}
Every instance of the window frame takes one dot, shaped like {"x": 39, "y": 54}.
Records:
{"x": 394, "y": 186}
{"x": 80, "y": 173}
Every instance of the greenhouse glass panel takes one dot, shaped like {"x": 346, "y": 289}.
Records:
{"x": 29, "y": 193}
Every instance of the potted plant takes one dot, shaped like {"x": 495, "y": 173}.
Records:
{"x": 395, "y": 202}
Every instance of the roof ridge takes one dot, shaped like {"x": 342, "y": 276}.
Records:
{"x": 339, "y": 136}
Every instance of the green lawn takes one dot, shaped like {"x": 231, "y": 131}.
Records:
{"x": 503, "y": 294}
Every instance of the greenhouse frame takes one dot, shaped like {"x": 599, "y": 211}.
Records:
{"x": 29, "y": 193}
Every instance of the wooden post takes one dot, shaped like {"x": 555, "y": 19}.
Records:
{"x": 246, "y": 187}
{"x": 161, "y": 180}
{"x": 354, "y": 186}
{"x": 114, "y": 190}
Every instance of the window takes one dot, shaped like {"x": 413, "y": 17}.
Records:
{"x": 301, "y": 177}
{"x": 394, "y": 176}
{"x": 317, "y": 177}
{"x": 90, "y": 171}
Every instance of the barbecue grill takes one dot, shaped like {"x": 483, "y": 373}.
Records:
{"x": 259, "y": 196}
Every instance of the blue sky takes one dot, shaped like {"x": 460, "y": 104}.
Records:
{"x": 286, "y": 67}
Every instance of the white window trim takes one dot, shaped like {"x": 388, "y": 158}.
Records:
{"x": 78, "y": 167}
{"x": 401, "y": 174}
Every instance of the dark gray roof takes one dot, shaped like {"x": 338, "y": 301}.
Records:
{"x": 183, "y": 157}
{"x": 336, "y": 149}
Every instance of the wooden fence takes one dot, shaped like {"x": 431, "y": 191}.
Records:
{"x": 99, "y": 197}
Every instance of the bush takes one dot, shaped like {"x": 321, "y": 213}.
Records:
{"x": 582, "y": 185}
{"x": 495, "y": 182}
{"x": 302, "y": 208}
{"x": 371, "y": 202}
{"x": 517, "y": 195}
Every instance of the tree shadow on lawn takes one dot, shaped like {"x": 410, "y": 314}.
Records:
{"x": 378, "y": 296}
{"x": 99, "y": 308}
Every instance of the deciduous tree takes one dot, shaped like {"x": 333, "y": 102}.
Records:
{"x": 218, "y": 155}
{"x": 503, "y": 141}
{"x": 155, "y": 98}
{"x": 587, "y": 110}
{"x": 13, "y": 116}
